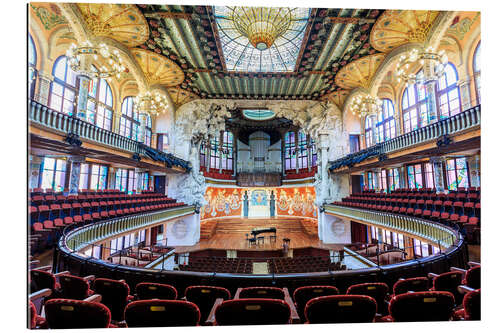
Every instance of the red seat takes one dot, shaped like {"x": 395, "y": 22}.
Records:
{"x": 303, "y": 295}
{"x": 148, "y": 290}
{"x": 471, "y": 306}
{"x": 340, "y": 309}
{"x": 115, "y": 295}
{"x": 472, "y": 277}
{"x": 411, "y": 284}
{"x": 377, "y": 290}
{"x": 41, "y": 279}
{"x": 421, "y": 306}
{"x": 448, "y": 281}
{"x": 161, "y": 313}
{"x": 66, "y": 314}
{"x": 204, "y": 297}
{"x": 252, "y": 312}
{"x": 262, "y": 292}
{"x": 74, "y": 287}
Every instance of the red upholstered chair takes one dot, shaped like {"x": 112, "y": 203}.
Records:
{"x": 40, "y": 279}
{"x": 115, "y": 295}
{"x": 472, "y": 277}
{"x": 148, "y": 290}
{"x": 262, "y": 292}
{"x": 67, "y": 313}
{"x": 448, "y": 281}
{"x": 410, "y": 284}
{"x": 255, "y": 311}
{"x": 205, "y": 296}
{"x": 161, "y": 313}
{"x": 75, "y": 287}
{"x": 421, "y": 306}
{"x": 340, "y": 309}
{"x": 377, "y": 290}
{"x": 35, "y": 321}
{"x": 303, "y": 295}
{"x": 471, "y": 307}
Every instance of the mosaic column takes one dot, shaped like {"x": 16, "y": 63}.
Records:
{"x": 43, "y": 88}
{"x": 430, "y": 87}
{"x": 83, "y": 95}
{"x": 437, "y": 163}
{"x": 464, "y": 87}
{"x": 323, "y": 151}
{"x": 74, "y": 179}
{"x": 474, "y": 162}
{"x": 35, "y": 164}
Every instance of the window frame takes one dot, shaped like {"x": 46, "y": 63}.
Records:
{"x": 101, "y": 107}
{"x": 477, "y": 72}
{"x": 32, "y": 71}
{"x": 66, "y": 86}
{"x": 56, "y": 173}
{"x": 369, "y": 132}
{"x": 385, "y": 128}
{"x": 455, "y": 172}
{"x": 446, "y": 91}
{"x": 418, "y": 107}
{"x": 129, "y": 122}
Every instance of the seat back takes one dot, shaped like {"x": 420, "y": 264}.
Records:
{"x": 262, "y": 292}
{"x": 472, "y": 305}
{"x": 473, "y": 277}
{"x": 411, "y": 284}
{"x": 148, "y": 290}
{"x": 161, "y": 313}
{"x": 448, "y": 281}
{"x": 114, "y": 295}
{"x": 41, "y": 280}
{"x": 340, "y": 309}
{"x": 422, "y": 306}
{"x": 73, "y": 287}
{"x": 67, "y": 313}
{"x": 303, "y": 295}
{"x": 205, "y": 296}
{"x": 377, "y": 290}
{"x": 254, "y": 311}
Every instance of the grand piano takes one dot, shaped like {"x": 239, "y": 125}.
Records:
{"x": 256, "y": 231}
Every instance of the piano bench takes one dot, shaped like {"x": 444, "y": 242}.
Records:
{"x": 260, "y": 239}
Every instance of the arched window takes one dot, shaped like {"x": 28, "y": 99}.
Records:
{"x": 100, "y": 104}
{"x": 477, "y": 72}
{"x": 290, "y": 151}
{"x": 386, "y": 125}
{"x": 63, "y": 88}
{"x": 129, "y": 121}
{"x": 369, "y": 131}
{"x": 448, "y": 95}
{"x": 147, "y": 135}
{"x": 414, "y": 106}
{"x": 227, "y": 151}
{"x": 32, "y": 72}
{"x": 302, "y": 151}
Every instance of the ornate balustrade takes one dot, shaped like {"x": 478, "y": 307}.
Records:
{"x": 433, "y": 233}
{"x": 78, "y": 239}
{"x": 449, "y": 126}
{"x": 43, "y": 116}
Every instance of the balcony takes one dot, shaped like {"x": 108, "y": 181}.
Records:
{"x": 74, "y": 130}
{"x": 440, "y": 132}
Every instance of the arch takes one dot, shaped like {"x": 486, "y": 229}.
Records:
{"x": 41, "y": 45}
{"x": 63, "y": 88}
{"x": 448, "y": 92}
{"x": 439, "y": 28}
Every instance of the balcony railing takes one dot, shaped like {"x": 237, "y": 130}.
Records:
{"x": 434, "y": 233}
{"x": 76, "y": 240}
{"x": 65, "y": 124}
{"x": 457, "y": 123}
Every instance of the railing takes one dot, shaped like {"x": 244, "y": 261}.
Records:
{"x": 448, "y": 126}
{"x": 41, "y": 115}
{"x": 434, "y": 233}
{"x": 76, "y": 240}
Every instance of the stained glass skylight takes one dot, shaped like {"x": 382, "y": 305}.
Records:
{"x": 241, "y": 55}
{"x": 258, "y": 114}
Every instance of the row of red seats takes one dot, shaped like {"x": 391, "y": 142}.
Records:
{"x": 48, "y": 199}
{"x": 451, "y": 196}
{"x": 411, "y": 300}
{"x": 49, "y": 190}
{"x": 428, "y": 190}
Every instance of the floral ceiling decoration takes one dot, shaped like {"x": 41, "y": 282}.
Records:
{"x": 158, "y": 69}
{"x": 180, "y": 96}
{"x": 338, "y": 97}
{"x": 359, "y": 72}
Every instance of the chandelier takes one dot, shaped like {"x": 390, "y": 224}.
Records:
{"x": 363, "y": 105}
{"x": 434, "y": 64}
{"x": 81, "y": 57}
{"x": 262, "y": 26}
{"x": 153, "y": 103}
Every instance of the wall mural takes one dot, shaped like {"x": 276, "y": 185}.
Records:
{"x": 291, "y": 201}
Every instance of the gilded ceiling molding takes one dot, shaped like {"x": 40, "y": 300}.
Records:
{"x": 338, "y": 97}
{"x": 157, "y": 68}
{"x": 359, "y": 72}
{"x": 439, "y": 28}
{"x": 75, "y": 20}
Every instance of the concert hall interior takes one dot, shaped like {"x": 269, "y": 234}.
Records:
{"x": 193, "y": 165}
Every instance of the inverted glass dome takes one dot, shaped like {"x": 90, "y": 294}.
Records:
{"x": 258, "y": 115}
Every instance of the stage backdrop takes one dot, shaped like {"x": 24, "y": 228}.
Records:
{"x": 262, "y": 202}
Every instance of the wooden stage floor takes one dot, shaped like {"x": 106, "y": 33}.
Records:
{"x": 230, "y": 233}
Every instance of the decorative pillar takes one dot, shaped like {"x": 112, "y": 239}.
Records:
{"x": 376, "y": 183}
{"x": 139, "y": 175}
{"x": 309, "y": 153}
{"x": 74, "y": 180}
{"x": 142, "y": 130}
{"x": 235, "y": 152}
{"x": 83, "y": 94}
{"x": 43, "y": 88}
{"x": 283, "y": 167}
{"x": 111, "y": 178}
{"x": 323, "y": 150}
{"x": 117, "y": 115}
{"x": 437, "y": 163}
{"x": 296, "y": 151}
{"x": 474, "y": 162}
{"x": 464, "y": 87}
{"x": 402, "y": 177}
{"x": 430, "y": 87}
{"x": 373, "y": 118}
{"x": 397, "y": 122}
{"x": 35, "y": 165}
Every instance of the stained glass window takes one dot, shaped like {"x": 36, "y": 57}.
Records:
{"x": 227, "y": 151}
{"x": 84, "y": 176}
{"x": 290, "y": 151}
{"x": 121, "y": 180}
{"x": 145, "y": 181}
{"x": 429, "y": 175}
{"x": 100, "y": 97}
{"x": 241, "y": 55}
{"x": 382, "y": 180}
{"x": 129, "y": 123}
{"x": 259, "y": 114}
{"x": 302, "y": 151}
{"x": 147, "y": 135}
{"x": 414, "y": 106}
{"x": 32, "y": 72}
{"x": 98, "y": 177}
{"x": 132, "y": 181}
{"x": 477, "y": 71}
{"x": 386, "y": 125}
{"x": 448, "y": 94}
{"x": 63, "y": 88}
{"x": 393, "y": 179}
{"x": 369, "y": 140}
{"x": 370, "y": 181}
{"x": 457, "y": 173}
{"x": 415, "y": 176}
{"x": 53, "y": 174}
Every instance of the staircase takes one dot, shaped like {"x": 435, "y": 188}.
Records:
{"x": 240, "y": 226}
{"x": 310, "y": 227}
{"x": 207, "y": 229}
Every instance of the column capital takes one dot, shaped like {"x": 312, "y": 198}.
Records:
{"x": 76, "y": 159}
{"x": 45, "y": 76}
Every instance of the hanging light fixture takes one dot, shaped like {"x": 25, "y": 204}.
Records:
{"x": 363, "y": 105}
{"x": 434, "y": 64}
{"x": 261, "y": 25}
{"x": 153, "y": 103}
{"x": 82, "y": 57}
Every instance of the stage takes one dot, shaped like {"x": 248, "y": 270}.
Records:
{"x": 230, "y": 234}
